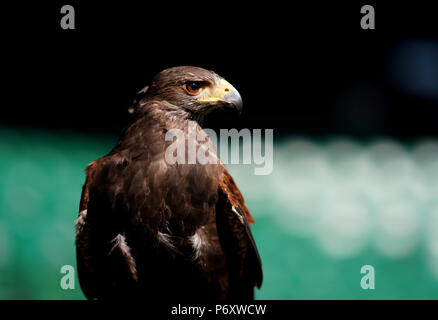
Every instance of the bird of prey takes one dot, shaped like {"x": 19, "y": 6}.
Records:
{"x": 152, "y": 229}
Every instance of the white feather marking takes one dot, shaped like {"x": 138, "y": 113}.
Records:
{"x": 120, "y": 243}
{"x": 166, "y": 239}
{"x": 80, "y": 221}
{"x": 238, "y": 215}
{"x": 197, "y": 243}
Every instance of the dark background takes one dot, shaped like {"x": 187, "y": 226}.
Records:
{"x": 298, "y": 67}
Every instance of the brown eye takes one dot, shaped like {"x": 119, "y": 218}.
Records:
{"x": 193, "y": 87}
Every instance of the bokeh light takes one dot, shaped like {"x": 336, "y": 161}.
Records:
{"x": 329, "y": 207}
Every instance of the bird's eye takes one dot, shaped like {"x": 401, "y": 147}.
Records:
{"x": 193, "y": 87}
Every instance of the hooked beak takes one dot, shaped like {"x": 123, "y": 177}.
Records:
{"x": 225, "y": 94}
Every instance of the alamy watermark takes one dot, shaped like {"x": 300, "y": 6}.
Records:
{"x": 367, "y": 282}
{"x": 195, "y": 146}
{"x": 68, "y": 280}
{"x": 367, "y": 21}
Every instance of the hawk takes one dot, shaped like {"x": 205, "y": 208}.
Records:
{"x": 148, "y": 228}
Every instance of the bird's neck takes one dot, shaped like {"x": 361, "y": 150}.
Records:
{"x": 153, "y": 120}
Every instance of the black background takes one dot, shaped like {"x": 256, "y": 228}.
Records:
{"x": 289, "y": 62}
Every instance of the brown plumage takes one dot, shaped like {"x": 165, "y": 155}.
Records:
{"x": 150, "y": 229}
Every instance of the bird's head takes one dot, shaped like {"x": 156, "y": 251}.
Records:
{"x": 195, "y": 90}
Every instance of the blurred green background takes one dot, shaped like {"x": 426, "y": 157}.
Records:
{"x": 330, "y": 206}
